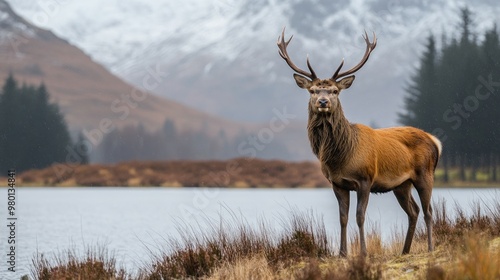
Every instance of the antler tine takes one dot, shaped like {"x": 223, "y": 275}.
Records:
{"x": 370, "y": 46}
{"x": 313, "y": 74}
{"x": 282, "y": 45}
{"x": 338, "y": 69}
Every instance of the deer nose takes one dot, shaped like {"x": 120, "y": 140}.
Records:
{"x": 323, "y": 102}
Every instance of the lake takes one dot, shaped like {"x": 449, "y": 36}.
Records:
{"x": 130, "y": 221}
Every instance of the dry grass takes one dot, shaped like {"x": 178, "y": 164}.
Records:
{"x": 252, "y": 268}
{"x": 467, "y": 247}
{"x": 200, "y": 253}
{"x": 485, "y": 219}
{"x": 476, "y": 260}
{"x": 259, "y": 268}
{"x": 95, "y": 264}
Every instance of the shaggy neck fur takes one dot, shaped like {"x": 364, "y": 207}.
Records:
{"x": 332, "y": 137}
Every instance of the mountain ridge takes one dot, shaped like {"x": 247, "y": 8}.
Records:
{"x": 96, "y": 102}
{"x": 225, "y": 50}
{"x": 35, "y": 55}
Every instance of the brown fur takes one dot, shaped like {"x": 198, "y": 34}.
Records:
{"x": 332, "y": 138}
{"x": 355, "y": 157}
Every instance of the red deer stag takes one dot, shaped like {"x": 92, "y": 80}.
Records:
{"x": 355, "y": 157}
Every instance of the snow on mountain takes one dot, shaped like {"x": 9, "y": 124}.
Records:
{"x": 220, "y": 56}
{"x": 85, "y": 91}
{"x": 12, "y": 25}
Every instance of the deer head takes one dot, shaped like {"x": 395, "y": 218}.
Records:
{"x": 324, "y": 92}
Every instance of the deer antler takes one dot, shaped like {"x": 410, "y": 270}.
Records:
{"x": 369, "y": 49}
{"x": 282, "y": 44}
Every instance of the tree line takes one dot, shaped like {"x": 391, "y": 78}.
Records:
{"x": 34, "y": 133}
{"x": 455, "y": 94}
{"x": 170, "y": 143}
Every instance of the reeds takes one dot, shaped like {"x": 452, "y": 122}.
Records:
{"x": 199, "y": 253}
{"x": 96, "y": 263}
{"x": 448, "y": 230}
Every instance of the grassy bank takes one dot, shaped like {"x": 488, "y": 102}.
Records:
{"x": 467, "y": 247}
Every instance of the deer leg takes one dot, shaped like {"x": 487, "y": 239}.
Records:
{"x": 343, "y": 199}
{"x": 424, "y": 189}
{"x": 363, "y": 194}
{"x": 405, "y": 199}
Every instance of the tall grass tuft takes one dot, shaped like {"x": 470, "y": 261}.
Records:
{"x": 484, "y": 219}
{"x": 304, "y": 236}
{"x": 477, "y": 261}
{"x": 355, "y": 268}
{"x": 360, "y": 268}
{"x": 475, "y": 258}
{"x": 199, "y": 253}
{"x": 95, "y": 264}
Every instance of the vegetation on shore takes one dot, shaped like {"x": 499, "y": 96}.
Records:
{"x": 235, "y": 173}
{"x": 241, "y": 172}
{"x": 467, "y": 247}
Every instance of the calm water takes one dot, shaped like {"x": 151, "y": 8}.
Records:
{"x": 131, "y": 220}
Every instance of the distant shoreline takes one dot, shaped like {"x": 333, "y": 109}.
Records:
{"x": 234, "y": 173}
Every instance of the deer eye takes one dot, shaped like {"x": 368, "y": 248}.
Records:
{"x": 311, "y": 91}
{"x": 335, "y": 91}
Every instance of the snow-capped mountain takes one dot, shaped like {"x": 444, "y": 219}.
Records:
{"x": 220, "y": 56}
{"x": 86, "y": 92}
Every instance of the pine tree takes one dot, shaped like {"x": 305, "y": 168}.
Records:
{"x": 421, "y": 100}
{"x": 489, "y": 115}
{"x": 8, "y": 127}
{"x": 34, "y": 133}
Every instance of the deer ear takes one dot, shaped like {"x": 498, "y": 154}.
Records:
{"x": 302, "y": 81}
{"x": 346, "y": 82}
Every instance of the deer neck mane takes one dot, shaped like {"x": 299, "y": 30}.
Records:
{"x": 332, "y": 137}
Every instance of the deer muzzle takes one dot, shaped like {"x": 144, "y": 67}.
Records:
{"x": 323, "y": 105}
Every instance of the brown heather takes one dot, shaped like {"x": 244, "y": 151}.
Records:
{"x": 240, "y": 172}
